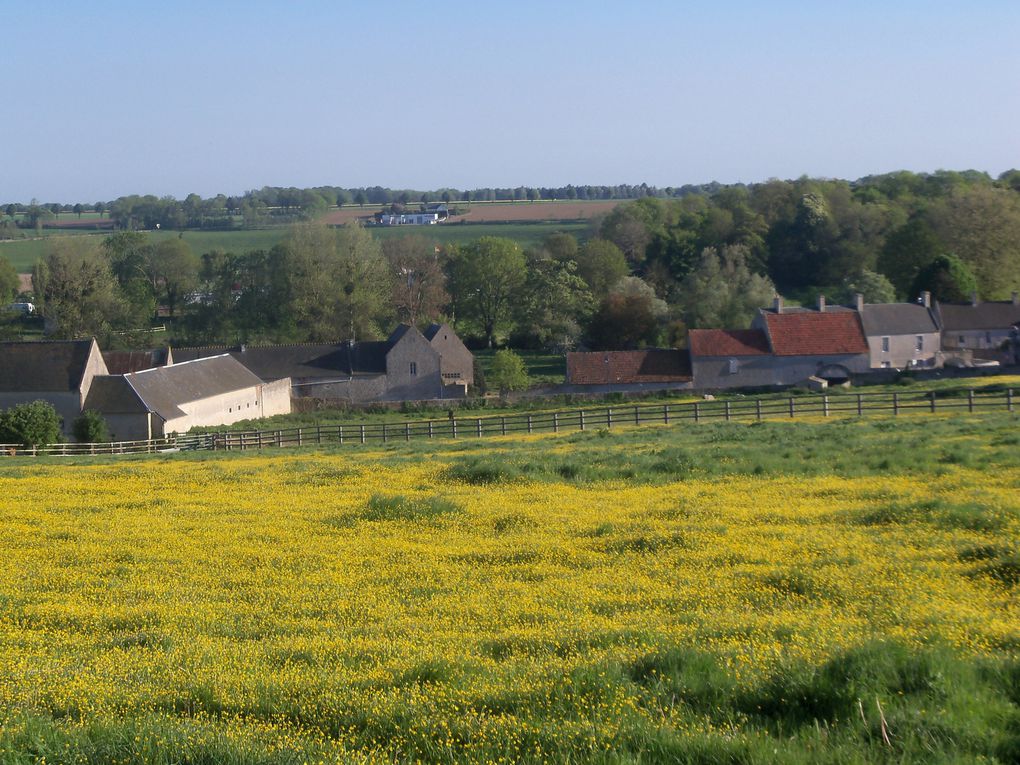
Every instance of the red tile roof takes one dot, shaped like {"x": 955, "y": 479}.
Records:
{"x": 609, "y": 367}
{"x": 813, "y": 333}
{"x": 728, "y": 342}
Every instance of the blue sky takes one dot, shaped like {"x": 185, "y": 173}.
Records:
{"x": 106, "y": 99}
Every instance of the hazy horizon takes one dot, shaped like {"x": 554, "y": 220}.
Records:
{"x": 135, "y": 100}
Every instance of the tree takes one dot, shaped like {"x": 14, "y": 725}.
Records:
{"x": 947, "y": 278}
{"x": 90, "y": 428}
{"x": 560, "y": 246}
{"x": 554, "y": 303}
{"x": 601, "y": 264}
{"x": 485, "y": 279}
{"x": 873, "y": 286}
{"x": 722, "y": 291}
{"x": 100, "y": 208}
{"x": 31, "y": 424}
{"x": 75, "y": 288}
{"x": 419, "y": 283}
{"x": 173, "y": 268}
{"x": 981, "y": 226}
{"x": 906, "y": 251}
{"x": 78, "y": 209}
{"x": 630, "y": 316}
{"x": 9, "y": 282}
{"x": 508, "y": 372}
{"x": 338, "y": 281}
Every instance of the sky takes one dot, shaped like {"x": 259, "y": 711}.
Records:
{"x": 107, "y": 99}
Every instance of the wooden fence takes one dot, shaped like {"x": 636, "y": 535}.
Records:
{"x": 744, "y": 409}
{"x": 828, "y": 405}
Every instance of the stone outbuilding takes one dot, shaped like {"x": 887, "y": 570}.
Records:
{"x": 901, "y": 335}
{"x": 60, "y": 372}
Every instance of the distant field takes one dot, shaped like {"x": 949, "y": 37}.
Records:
{"x": 23, "y": 253}
{"x": 497, "y": 212}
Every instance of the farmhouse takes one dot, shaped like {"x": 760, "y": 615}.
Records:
{"x": 59, "y": 372}
{"x": 173, "y": 399}
{"x": 976, "y": 325}
{"x": 122, "y": 362}
{"x": 900, "y": 335}
{"x": 405, "y": 367}
{"x": 430, "y": 216}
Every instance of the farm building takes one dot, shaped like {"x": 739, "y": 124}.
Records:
{"x": 404, "y": 367}
{"x": 976, "y": 325}
{"x": 901, "y": 335}
{"x": 730, "y": 358}
{"x": 430, "y": 216}
{"x": 122, "y": 362}
{"x": 173, "y": 399}
{"x": 59, "y": 372}
{"x": 456, "y": 362}
{"x": 651, "y": 368}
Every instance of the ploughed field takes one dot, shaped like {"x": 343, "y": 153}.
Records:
{"x": 839, "y": 591}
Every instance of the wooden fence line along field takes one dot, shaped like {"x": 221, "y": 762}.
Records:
{"x": 858, "y": 405}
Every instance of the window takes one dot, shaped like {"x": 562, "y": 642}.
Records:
{"x": 988, "y": 339}
{"x": 919, "y": 343}
{"x": 734, "y": 366}
{"x": 886, "y": 365}
{"x": 414, "y": 369}
{"x": 885, "y": 345}
{"x": 963, "y": 341}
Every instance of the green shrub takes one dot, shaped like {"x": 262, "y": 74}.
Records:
{"x": 31, "y": 424}
{"x": 90, "y": 428}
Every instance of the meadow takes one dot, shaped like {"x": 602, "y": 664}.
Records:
{"x": 23, "y": 253}
{"x": 826, "y": 591}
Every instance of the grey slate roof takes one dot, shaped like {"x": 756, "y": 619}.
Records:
{"x": 163, "y": 390}
{"x": 122, "y": 362}
{"x": 897, "y": 319}
{"x": 965, "y": 316}
{"x": 113, "y": 395}
{"x": 305, "y": 360}
{"x": 44, "y": 366}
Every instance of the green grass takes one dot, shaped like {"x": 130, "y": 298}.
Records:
{"x": 23, "y": 253}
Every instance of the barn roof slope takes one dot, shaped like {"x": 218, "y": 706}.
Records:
{"x": 728, "y": 342}
{"x": 43, "y": 366}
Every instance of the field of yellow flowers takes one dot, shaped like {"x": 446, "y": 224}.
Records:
{"x": 800, "y": 592}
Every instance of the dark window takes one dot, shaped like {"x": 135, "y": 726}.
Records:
{"x": 885, "y": 345}
{"x": 414, "y": 369}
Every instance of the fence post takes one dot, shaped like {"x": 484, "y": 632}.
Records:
{"x": 1009, "y": 399}
{"x": 580, "y": 418}
{"x": 637, "y": 416}
{"x": 384, "y": 432}
{"x": 502, "y": 425}
{"x": 757, "y": 408}
{"x": 478, "y": 427}
{"x": 791, "y": 406}
{"x": 260, "y": 440}
{"x": 860, "y": 405}
{"x": 825, "y": 406}
{"x": 407, "y": 431}
{"x": 609, "y": 419}
{"x": 665, "y": 413}
{"x": 970, "y": 400}
{"x": 529, "y": 423}
{"x": 340, "y": 433}
{"x": 318, "y": 434}
{"x": 556, "y": 422}
{"x": 932, "y": 395}
{"x": 726, "y": 409}
{"x": 430, "y": 428}
{"x": 895, "y": 403}
{"x": 453, "y": 426}
{"x": 697, "y": 413}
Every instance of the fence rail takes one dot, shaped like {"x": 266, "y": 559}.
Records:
{"x": 608, "y": 417}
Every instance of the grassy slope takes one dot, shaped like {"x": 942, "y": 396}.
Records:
{"x": 720, "y": 593}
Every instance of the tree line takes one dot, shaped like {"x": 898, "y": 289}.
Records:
{"x": 642, "y": 275}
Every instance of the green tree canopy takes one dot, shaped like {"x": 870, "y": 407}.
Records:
{"x": 9, "y": 281}
{"x": 508, "y": 372}
{"x": 30, "y": 424}
{"x": 601, "y": 264}
{"x": 947, "y": 278}
{"x": 722, "y": 291}
{"x": 486, "y": 277}
{"x": 76, "y": 290}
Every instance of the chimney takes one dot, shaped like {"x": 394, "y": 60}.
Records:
{"x": 1016, "y": 298}
{"x": 926, "y": 299}
{"x": 859, "y": 302}
{"x": 973, "y": 298}
{"x": 777, "y": 304}
{"x": 821, "y": 304}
